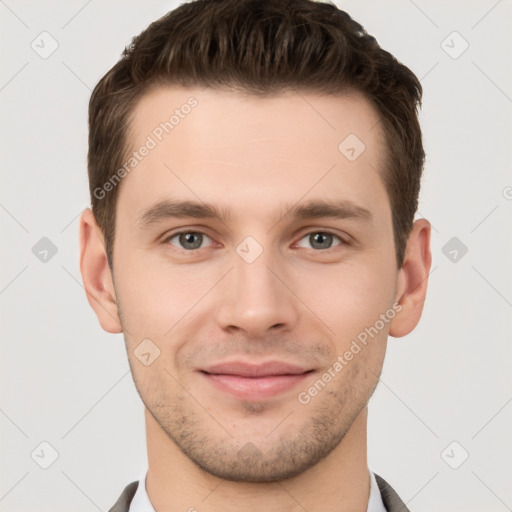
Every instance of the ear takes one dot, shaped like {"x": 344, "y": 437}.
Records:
{"x": 96, "y": 275}
{"x": 412, "y": 280}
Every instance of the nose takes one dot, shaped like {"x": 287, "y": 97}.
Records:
{"x": 257, "y": 298}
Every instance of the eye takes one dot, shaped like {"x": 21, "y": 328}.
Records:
{"x": 321, "y": 240}
{"x": 192, "y": 240}
{"x": 188, "y": 240}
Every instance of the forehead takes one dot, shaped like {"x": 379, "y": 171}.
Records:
{"x": 213, "y": 113}
{"x": 235, "y": 149}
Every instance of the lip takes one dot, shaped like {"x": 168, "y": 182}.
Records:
{"x": 255, "y": 381}
{"x": 245, "y": 369}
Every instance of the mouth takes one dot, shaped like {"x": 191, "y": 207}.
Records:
{"x": 255, "y": 381}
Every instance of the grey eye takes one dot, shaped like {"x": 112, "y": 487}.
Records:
{"x": 189, "y": 240}
{"x": 321, "y": 240}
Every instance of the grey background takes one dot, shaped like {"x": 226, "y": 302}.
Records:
{"x": 67, "y": 383}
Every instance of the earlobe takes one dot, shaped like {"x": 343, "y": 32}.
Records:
{"x": 413, "y": 280}
{"x": 96, "y": 275}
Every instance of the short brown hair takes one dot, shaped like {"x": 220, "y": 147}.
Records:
{"x": 260, "y": 47}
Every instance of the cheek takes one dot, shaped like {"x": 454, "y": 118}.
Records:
{"x": 157, "y": 299}
{"x": 349, "y": 297}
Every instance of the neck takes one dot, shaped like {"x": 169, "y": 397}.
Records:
{"x": 340, "y": 481}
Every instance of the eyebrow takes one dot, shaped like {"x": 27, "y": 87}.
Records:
{"x": 313, "y": 209}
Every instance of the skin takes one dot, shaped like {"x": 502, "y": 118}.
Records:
{"x": 296, "y": 302}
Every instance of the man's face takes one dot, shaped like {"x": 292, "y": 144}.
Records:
{"x": 260, "y": 284}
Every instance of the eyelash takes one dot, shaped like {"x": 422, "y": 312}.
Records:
{"x": 342, "y": 241}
